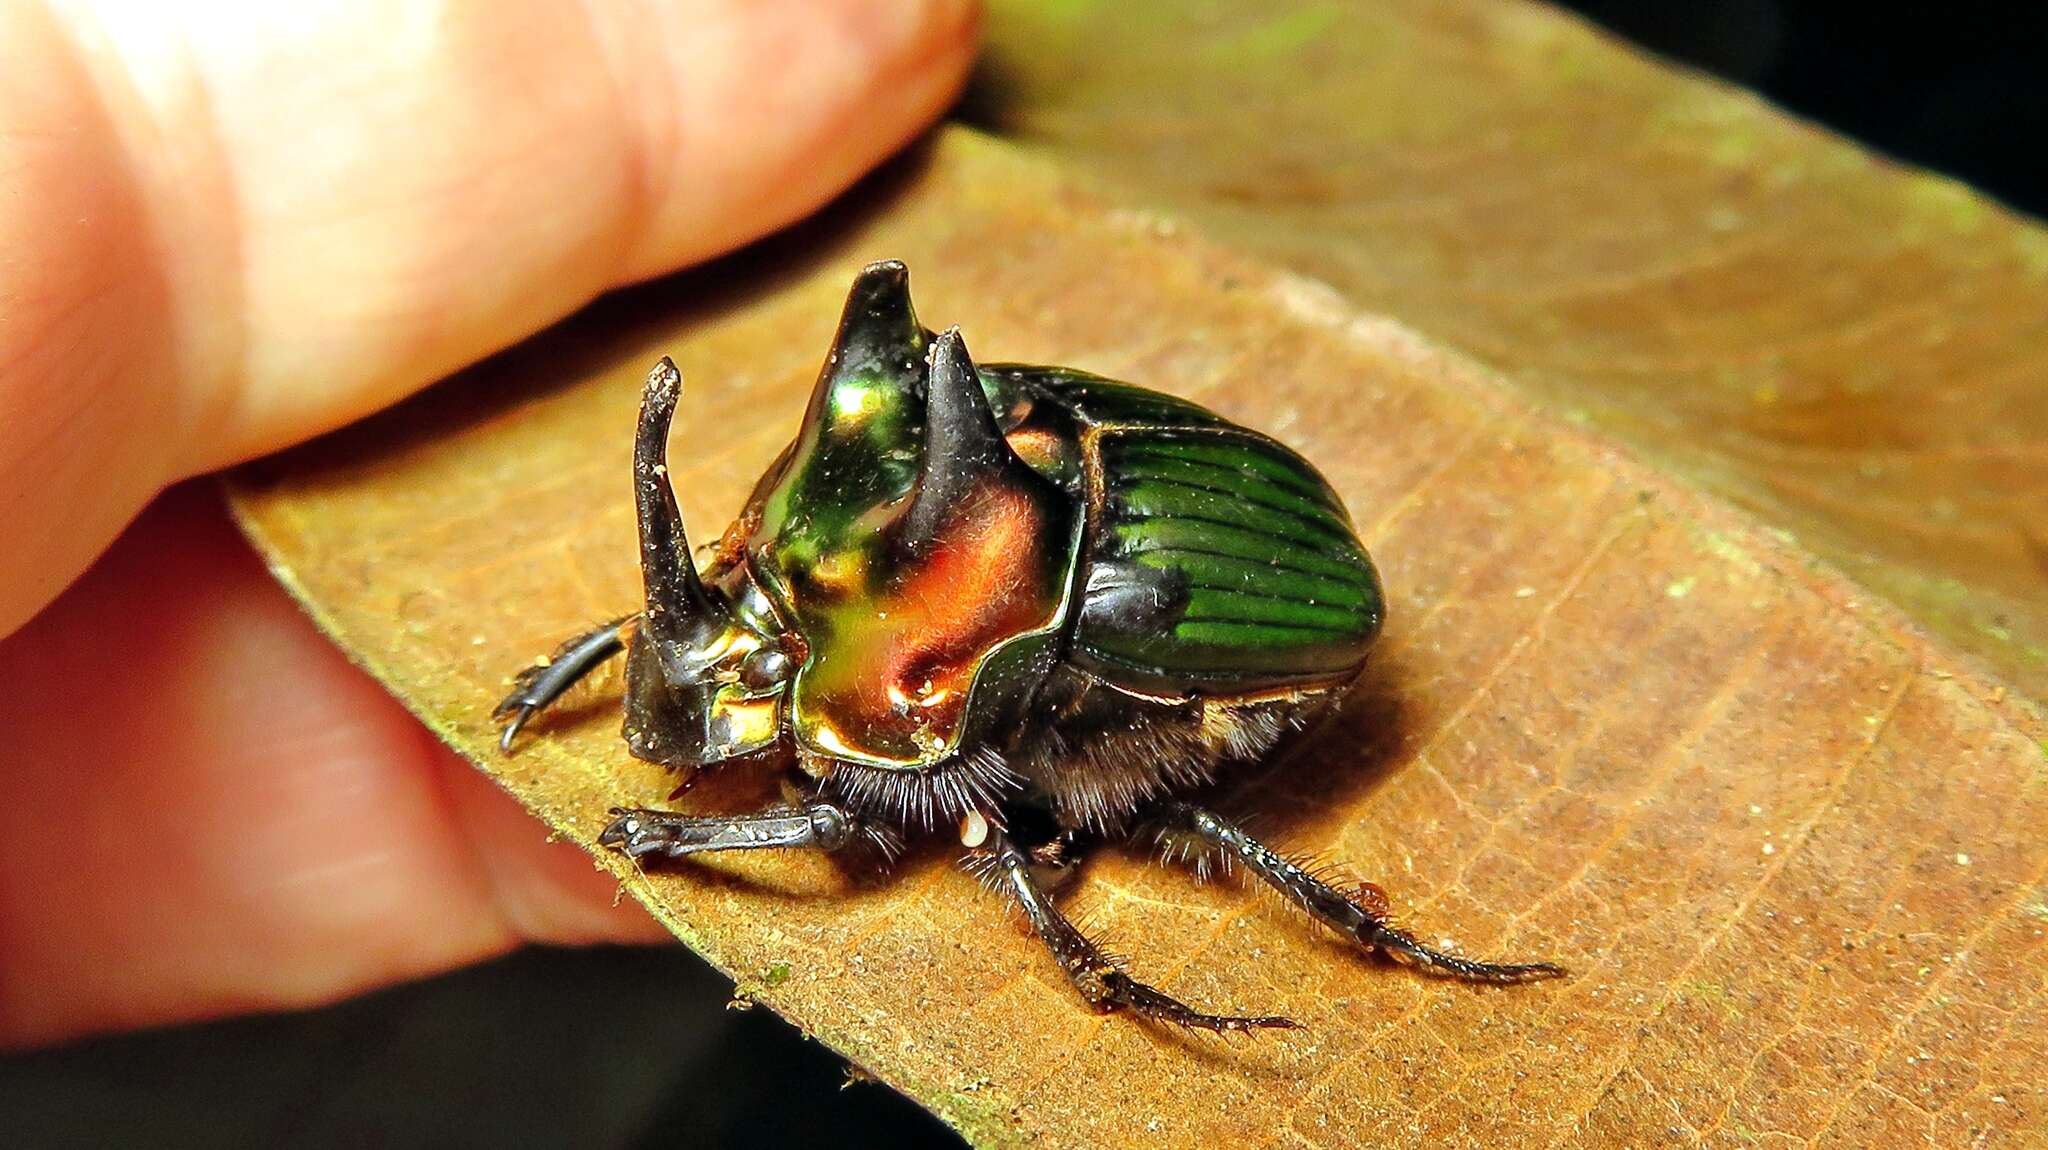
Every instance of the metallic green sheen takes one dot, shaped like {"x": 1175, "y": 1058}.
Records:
{"x": 1278, "y": 589}
{"x": 910, "y": 551}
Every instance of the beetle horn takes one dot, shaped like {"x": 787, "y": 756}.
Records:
{"x": 962, "y": 443}
{"x": 879, "y": 339}
{"x": 674, "y": 592}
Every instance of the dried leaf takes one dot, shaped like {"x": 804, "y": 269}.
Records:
{"x": 1852, "y": 351}
{"x": 1788, "y": 846}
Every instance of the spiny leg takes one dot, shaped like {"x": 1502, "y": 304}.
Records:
{"x": 537, "y": 686}
{"x": 1367, "y": 924}
{"x": 1100, "y": 981}
{"x": 814, "y": 825}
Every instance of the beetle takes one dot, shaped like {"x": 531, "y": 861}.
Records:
{"x": 1037, "y": 604}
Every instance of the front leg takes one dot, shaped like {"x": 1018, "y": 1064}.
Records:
{"x": 541, "y": 684}
{"x": 642, "y": 833}
{"x": 1359, "y": 919}
{"x": 1100, "y": 981}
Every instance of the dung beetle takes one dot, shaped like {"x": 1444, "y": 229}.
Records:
{"x": 1032, "y": 603}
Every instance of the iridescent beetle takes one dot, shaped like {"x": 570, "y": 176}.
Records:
{"x": 1005, "y": 598}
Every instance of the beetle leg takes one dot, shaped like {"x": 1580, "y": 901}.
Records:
{"x": 1100, "y": 981}
{"x": 537, "y": 686}
{"x": 815, "y": 825}
{"x": 1366, "y": 924}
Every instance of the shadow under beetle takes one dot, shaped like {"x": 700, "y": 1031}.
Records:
{"x": 999, "y": 598}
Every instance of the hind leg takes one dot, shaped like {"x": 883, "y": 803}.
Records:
{"x": 1355, "y": 918}
{"x": 1099, "y": 979}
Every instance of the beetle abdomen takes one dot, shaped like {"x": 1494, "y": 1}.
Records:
{"x": 1218, "y": 560}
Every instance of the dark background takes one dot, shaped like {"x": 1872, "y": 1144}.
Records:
{"x": 636, "y": 1048}
{"x": 1956, "y": 87}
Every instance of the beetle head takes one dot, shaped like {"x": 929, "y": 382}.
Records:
{"x": 709, "y": 663}
{"x": 708, "y": 669}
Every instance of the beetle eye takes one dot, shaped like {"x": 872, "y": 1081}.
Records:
{"x": 764, "y": 667}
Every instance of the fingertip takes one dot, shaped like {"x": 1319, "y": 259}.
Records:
{"x": 548, "y": 891}
{"x": 751, "y": 126}
{"x": 211, "y": 811}
{"x": 528, "y": 164}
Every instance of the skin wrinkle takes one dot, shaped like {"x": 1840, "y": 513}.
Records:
{"x": 476, "y": 861}
{"x": 542, "y": 892}
{"x": 65, "y": 351}
{"x": 162, "y": 118}
{"x": 643, "y": 185}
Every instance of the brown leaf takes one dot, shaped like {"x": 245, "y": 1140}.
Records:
{"x": 1789, "y": 848}
{"x": 1852, "y": 351}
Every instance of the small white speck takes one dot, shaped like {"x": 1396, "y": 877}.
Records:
{"x": 1998, "y": 1099}
{"x": 1755, "y": 810}
{"x": 973, "y": 830}
{"x": 1770, "y": 848}
{"x": 1962, "y": 859}
{"x": 1525, "y": 592}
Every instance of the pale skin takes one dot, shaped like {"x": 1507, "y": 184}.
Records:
{"x": 224, "y": 229}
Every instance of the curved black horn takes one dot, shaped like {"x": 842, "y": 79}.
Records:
{"x": 962, "y": 443}
{"x": 879, "y": 336}
{"x": 674, "y": 593}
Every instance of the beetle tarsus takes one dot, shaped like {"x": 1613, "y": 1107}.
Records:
{"x": 1367, "y": 925}
{"x": 520, "y": 714}
{"x": 1403, "y": 948}
{"x": 1092, "y": 973}
{"x": 1120, "y": 990}
{"x": 541, "y": 684}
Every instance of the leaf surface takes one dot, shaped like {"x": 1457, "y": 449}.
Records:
{"x": 1789, "y": 847}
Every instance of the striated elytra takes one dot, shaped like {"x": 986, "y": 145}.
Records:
{"x": 1042, "y": 606}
